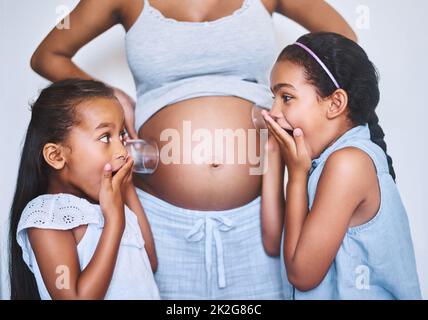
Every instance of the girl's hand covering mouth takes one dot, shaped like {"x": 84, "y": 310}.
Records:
{"x": 118, "y": 167}
{"x": 283, "y": 123}
{"x": 112, "y": 190}
{"x": 293, "y": 147}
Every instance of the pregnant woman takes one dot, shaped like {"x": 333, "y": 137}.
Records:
{"x": 198, "y": 68}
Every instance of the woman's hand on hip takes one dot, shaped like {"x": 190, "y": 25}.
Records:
{"x": 128, "y": 105}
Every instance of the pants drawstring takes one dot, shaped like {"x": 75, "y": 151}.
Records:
{"x": 211, "y": 227}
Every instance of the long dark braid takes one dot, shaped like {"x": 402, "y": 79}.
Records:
{"x": 377, "y": 136}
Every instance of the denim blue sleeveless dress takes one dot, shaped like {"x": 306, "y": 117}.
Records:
{"x": 375, "y": 260}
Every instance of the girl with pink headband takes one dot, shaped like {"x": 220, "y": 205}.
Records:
{"x": 344, "y": 232}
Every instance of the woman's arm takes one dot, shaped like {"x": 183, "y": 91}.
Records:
{"x": 133, "y": 203}
{"x": 53, "y": 57}
{"x": 90, "y": 18}
{"x": 272, "y": 209}
{"x": 315, "y": 16}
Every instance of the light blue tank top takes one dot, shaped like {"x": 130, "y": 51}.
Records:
{"x": 375, "y": 260}
{"x": 176, "y": 60}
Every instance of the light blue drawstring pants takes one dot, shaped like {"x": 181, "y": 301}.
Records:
{"x": 211, "y": 254}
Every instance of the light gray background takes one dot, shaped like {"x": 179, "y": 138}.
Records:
{"x": 395, "y": 41}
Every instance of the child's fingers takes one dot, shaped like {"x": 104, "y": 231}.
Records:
{"x": 278, "y": 131}
{"x": 127, "y": 179}
{"x": 282, "y": 136}
{"x": 273, "y": 132}
{"x": 269, "y": 126}
{"x": 128, "y": 176}
{"x": 123, "y": 173}
{"x": 106, "y": 181}
{"x": 300, "y": 142}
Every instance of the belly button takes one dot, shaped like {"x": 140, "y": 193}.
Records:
{"x": 215, "y": 162}
{"x": 215, "y": 165}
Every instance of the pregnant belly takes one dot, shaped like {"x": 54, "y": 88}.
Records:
{"x": 209, "y": 154}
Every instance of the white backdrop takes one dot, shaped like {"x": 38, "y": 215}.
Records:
{"x": 392, "y": 32}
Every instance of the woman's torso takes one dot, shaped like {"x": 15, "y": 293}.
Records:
{"x": 225, "y": 183}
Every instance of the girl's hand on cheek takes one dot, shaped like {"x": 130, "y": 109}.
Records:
{"x": 112, "y": 191}
{"x": 293, "y": 148}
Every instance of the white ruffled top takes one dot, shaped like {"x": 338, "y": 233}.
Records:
{"x": 132, "y": 276}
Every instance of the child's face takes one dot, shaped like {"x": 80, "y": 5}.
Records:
{"x": 297, "y": 105}
{"x": 98, "y": 139}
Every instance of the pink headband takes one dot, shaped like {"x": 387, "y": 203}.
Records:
{"x": 319, "y": 61}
